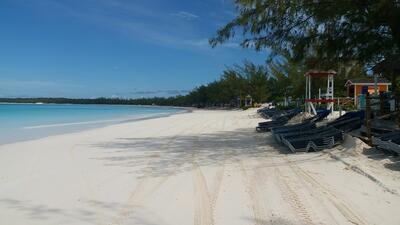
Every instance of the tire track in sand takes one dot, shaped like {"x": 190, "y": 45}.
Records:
{"x": 203, "y": 214}
{"x": 148, "y": 185}
{"x": 339, "y": 204}
{"x": 205, "y": 199}
{"x": 251, "y": 184}
{"x": 287, "y": 188}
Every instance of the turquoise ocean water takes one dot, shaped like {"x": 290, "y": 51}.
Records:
{"x": 20, "y": 122}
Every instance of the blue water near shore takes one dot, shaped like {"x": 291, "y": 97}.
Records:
{"x": 20, "y": 122}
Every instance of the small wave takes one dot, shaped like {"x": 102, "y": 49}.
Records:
{"x": 94, "y": 122}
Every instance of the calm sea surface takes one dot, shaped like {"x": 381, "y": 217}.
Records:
{"x": 20, "y": 122}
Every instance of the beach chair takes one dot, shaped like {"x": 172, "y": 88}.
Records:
{"x": 278, "y": 131}
{"x": 349, "y": 121}
{"x": 321, "y": 114}
{"x": 315, "y": 142}
{"x": 304, "y": 133}
{"x": 268, "y": 113}
{"x": 267, "y": 126}
{"x": 277, "y": 121}
{"x": 388, "y": 142}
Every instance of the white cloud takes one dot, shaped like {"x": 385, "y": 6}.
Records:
{"x": 203, "y": 43}
{"x": 185, "y": 15}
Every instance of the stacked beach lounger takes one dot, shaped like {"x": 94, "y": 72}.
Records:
{"x": 278, "y": 119}
{"x": 389, "y": 142}
{"x": 349, "y": 121}
{"x": 306, "y": 136}
{"x": 313, "y": 139}
{"x": 267, "y": 113}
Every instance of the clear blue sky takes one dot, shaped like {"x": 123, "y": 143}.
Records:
{"x": 126, "y": 48}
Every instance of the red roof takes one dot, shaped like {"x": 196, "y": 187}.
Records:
{"x": 319, "y": 73}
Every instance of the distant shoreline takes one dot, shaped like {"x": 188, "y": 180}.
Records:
{"x": 44, "y": 103}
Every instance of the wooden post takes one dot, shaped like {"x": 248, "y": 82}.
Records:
{"x": 381, "y": 104}
{"x": 368, "y": 118}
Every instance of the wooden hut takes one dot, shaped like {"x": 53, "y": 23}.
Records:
{"x": 356, "y": 87}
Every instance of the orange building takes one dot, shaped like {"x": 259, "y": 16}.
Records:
{"x": 356, "y": 87}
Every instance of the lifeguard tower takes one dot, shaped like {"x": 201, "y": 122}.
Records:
{"x": 328, "y": 97}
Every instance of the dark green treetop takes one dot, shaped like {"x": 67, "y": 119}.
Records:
{"x": 320, "y": 31}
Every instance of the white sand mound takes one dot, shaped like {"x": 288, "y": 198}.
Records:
{"x": 353, "y": 146}
{"x": 299, "y": 118}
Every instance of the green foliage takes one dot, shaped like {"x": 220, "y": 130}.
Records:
{"x": 322, "y": 32}
{"x": 287, "y": 78}
{"x": 235, "y": 83}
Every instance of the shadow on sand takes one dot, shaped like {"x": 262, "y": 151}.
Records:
{"x": 87, "y": 214}
{"x": 379, "y": 155}
{"x": 160, "y": 156}
{"x": 163, "y": 156}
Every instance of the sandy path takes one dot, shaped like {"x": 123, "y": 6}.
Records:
{"x": 206, "y": 167}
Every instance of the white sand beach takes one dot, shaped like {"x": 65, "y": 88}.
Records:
{"x": 204, "y": 167}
